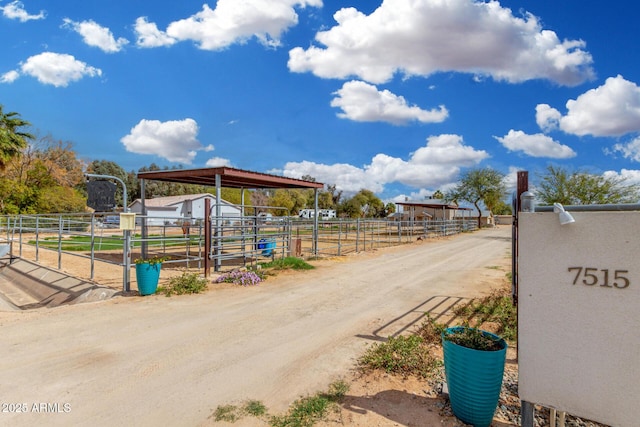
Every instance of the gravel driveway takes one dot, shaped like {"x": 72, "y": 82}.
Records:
{"x": 171, "y": 361}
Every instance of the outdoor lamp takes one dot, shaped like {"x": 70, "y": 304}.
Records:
{"x": 565, "y": 217}
{"x": 527, "y": 203}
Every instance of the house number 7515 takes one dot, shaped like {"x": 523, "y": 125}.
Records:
{"x": 602, "y": 277}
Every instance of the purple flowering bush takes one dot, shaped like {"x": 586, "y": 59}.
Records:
{"x": 244, "y": 278}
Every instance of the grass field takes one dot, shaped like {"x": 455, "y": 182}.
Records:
{"x": 103, "y": 243}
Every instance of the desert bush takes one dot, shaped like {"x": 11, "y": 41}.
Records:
{"x": 187, "y": 283}
{"x": 405, "y": 355}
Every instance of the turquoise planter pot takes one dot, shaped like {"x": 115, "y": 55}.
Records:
{"x": 474, "y": 378}
{"x": 147, "y": 276}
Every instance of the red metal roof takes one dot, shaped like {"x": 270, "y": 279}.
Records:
{"x": 229, "y": 178}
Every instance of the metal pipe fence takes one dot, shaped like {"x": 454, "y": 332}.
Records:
{"x": 236, "y": 241}
{"x": 340, "y": 237}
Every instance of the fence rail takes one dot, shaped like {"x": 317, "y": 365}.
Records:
{"x": 240, "y": 241}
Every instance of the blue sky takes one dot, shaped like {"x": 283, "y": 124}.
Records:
{"x": 396, "y": 96}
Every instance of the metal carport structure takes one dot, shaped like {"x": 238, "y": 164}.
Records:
{"x": 226, "y": 177}
{"x": 430, "y": 204}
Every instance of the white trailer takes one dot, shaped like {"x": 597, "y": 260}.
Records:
{"x": 323, "y": 214}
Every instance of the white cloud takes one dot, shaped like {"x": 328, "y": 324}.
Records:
{"x": 15, "y": 10}
{"x": 9, "y": 77}
{"x": 630, "y": 177}
{"x": 347, "y": 178}
{"x": 630, "y": 150}
{"x": 433, "y": 166}
{"x": 511, "y": 179}
{"x": 363, "y": 102}
{"x": 96, "y": 35}
{"x": 57, "y": 69}
{"x": 612, "y": 109}
{"x": 537, "y": 145}
{"x": 548, "y": 118}
{"x": 216, "y": 162}
{"x": 174, "y": 140}
{"x": 236, "y": 21}
{"x": 148, "y": 34}
{"x": 425, "y": 37}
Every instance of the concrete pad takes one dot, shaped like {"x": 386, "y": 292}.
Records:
{"x": 25, "y": 284}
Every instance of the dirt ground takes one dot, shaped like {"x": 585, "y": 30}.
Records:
{"x": 172, "y": 361}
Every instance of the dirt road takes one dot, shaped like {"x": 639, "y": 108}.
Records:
{"x": 171, "y": 361}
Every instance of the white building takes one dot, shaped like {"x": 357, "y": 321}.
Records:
{"x": 173, "y": 209}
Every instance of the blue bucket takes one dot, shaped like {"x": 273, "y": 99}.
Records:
{"x": 474, "y": 378}
{"x": 268, "y": 245}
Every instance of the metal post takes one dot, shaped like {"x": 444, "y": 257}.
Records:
{"x": 20, "y": 237}
{"x": 200, "y": 245}
{"x": 243, "y": 239}
{"x": 339, "y": 238}
{"x": 60, "y": 242}
{"x": 218, "y": 243}
{"x": 315, "y": 222}
{"x": 93, "y": 242}
{"x": 207, "y": 237}
{"x": 126, "y": 258}
{"x": 126, "y": 250}
{"x": 37, "y": 238}
{"x": 143, "y": 221}
{"x": 527, "y": 413}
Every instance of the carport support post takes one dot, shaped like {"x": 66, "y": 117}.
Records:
{"x": 315, "y": 222}
{"x": 218, "y": 261}
{"x": 143, "y": 211}
{"x": 207, "y": 237}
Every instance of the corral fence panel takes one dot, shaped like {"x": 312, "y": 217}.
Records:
{"x": 236, "y": 241}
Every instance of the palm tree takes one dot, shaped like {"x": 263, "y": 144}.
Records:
{"x": 12, "y": 140}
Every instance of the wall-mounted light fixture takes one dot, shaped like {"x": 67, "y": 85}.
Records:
{"x": 527, "y": 202}
{"x": 565, "y": 217}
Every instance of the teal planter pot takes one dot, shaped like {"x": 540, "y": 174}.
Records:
{"x": 147, "y": 276}
{"x": 474, "y": 379}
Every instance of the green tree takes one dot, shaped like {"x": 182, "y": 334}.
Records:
{"x": 559, "y": 185}
{"x": 109, "y": 168}
{"x": 12, "y": 139}
{"x": 43, "y": 179}
{"x": 234, "y": 195}
{"x": 438, "y": 195}
{"x": 260, "y": 198}
{"x": 502, "y": 208}
{"x": 479, "y": 185}
{"x": 389, "y": 208}
{"x": 336, "y": 194}
{"x": 291, "y": 199}
{"x": 325, "y": 200}
{"x": 282, "y": 198}
{"x": 364, "y": 204}
{"x": 58, "y": 199}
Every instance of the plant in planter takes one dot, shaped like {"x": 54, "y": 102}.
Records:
{"x": 474, "y": 364}
{"x": 148, "y": 274}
